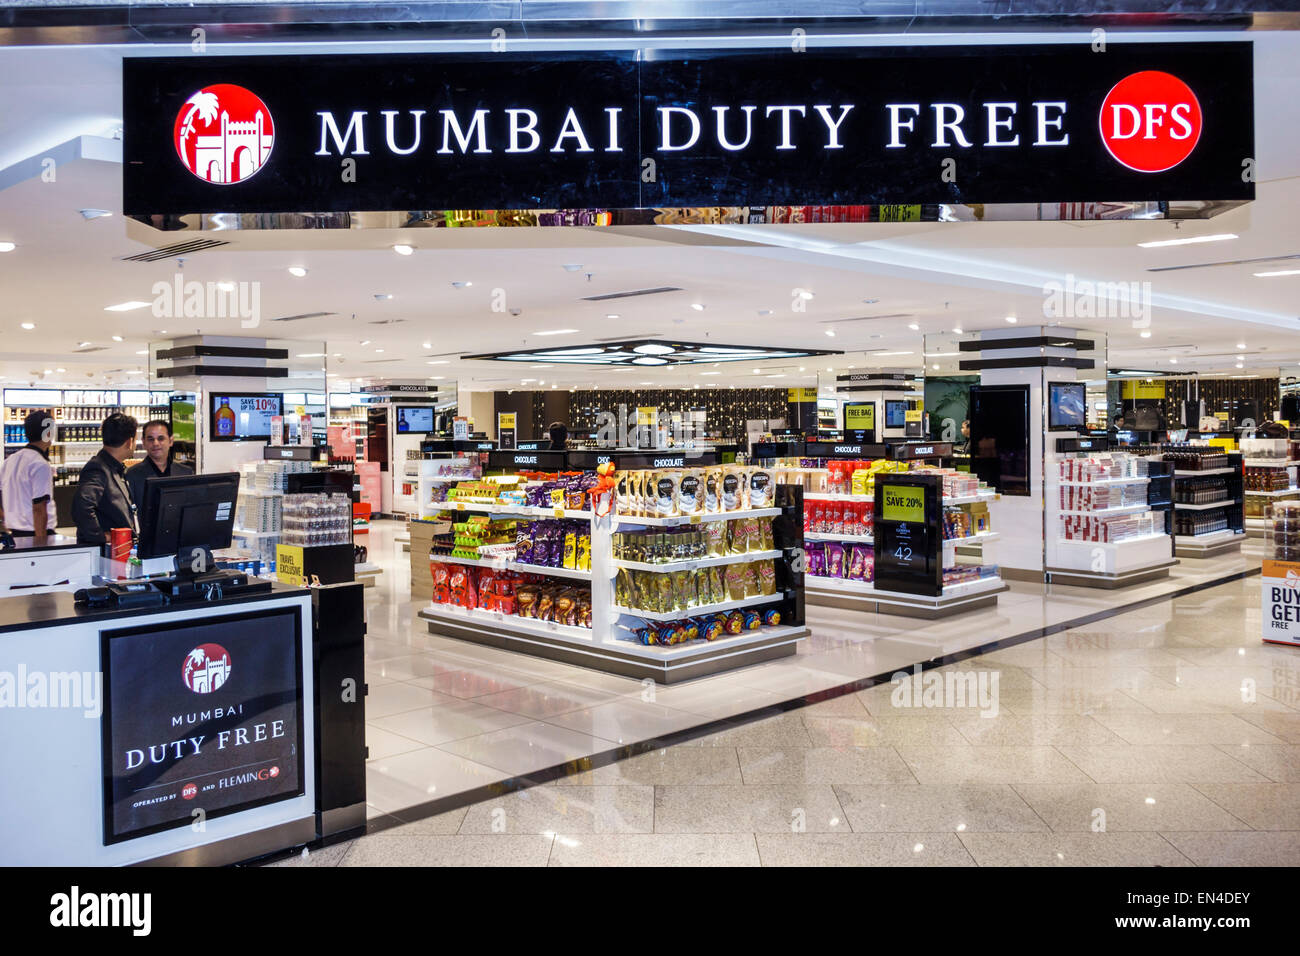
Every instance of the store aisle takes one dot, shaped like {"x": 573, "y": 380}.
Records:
{"x": 1168, "y": 735}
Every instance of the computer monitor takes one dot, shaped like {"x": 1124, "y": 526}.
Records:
{"x": 185, "y": 513}
{"x": 1067, "y": 409}
{"x": 895, "y": 413}
{"x": 413, "y": 419}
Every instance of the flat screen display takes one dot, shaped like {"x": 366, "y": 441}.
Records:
{"x": 860, "y": 416}
{"x": 895, "y": 414}
{"x": 200, "y": 716}
{"x": 241, "y": 416}
{"x": 1067, "y": 406}
{"x": 414, "y": 418}
{"x": 999, "y": 436}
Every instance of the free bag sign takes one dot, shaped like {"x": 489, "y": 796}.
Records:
{"x": 891, "y": 127}
{"x": 1280, "y": 596}
{"x": 201, "y": 720}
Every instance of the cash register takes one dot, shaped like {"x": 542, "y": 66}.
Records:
{"x": 186, "y": 518}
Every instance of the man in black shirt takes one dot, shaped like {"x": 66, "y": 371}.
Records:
{"x": 158, "y": 460}
{"x": 103, "y": 499}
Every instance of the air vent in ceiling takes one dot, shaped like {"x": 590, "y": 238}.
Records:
{"x": 628, "y": 295}
{"x": 379, "y": 361}
{"x": 1225, "y": 262}
{"x": 93, "y": 348}
{"x": 305, "y": 315}
{"x": 187, "y": 248}
{"x": 386, "y": 321}
{"x": 639, "y": 335}
{"x": 868, "y": 318}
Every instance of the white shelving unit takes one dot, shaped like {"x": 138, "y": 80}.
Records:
{"x": 609, "y": 644}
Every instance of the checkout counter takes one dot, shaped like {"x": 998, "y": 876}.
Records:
{"x": 173, "y": 726}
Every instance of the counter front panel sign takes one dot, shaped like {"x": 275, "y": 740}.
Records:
{"x": 891, "y": 127}
{"x": 202, "y": 719}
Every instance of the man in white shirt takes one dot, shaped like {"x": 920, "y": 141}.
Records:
{"x": 27, "y": 482}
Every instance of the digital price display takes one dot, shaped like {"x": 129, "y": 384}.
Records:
{"x": 908, "y": 534}
{"x": 243, "y": 417}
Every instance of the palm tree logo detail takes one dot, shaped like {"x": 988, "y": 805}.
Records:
{"x": 223, "y": 134}
{"x": 206, "y": 668}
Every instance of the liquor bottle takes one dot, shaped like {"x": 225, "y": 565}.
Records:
{"x": 225, "y": 420}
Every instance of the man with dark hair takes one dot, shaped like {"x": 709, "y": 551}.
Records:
{"x": 158, "y": 460}
{"x": 27, "y": 481}
{"x": 558, "y": 432}
{"x": 103, "y": 500}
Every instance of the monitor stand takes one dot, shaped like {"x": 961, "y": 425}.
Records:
{"x": 197, "y": 578}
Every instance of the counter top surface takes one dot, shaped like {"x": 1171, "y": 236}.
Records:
{"x": 26, "y": 611}
{"x": 58, "y": 542}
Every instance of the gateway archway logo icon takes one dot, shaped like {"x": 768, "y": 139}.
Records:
{"x": 224, "y": 134}
{"x": 1150, "y": 121}
{"x": 206, "y": 668}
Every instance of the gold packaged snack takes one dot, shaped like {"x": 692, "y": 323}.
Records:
{"x": 584, "y": 608}
{"x": 749, "y": 579}
{"x": 666, "y": 487}
{"x": 761, "y": 488}
{"x": 690, "y": 494}
{"x": 584, "y": 551}
{"x": 735, "y": 582}
{"x": 733, "y": 492}
{"x": 684, "y": 595}
{"x": 737, "y": 536}
{"x": 703, "y": 587}
{"x": 715, "y": 537}
{"x": 717, "y": 589}
{"x": 665, "y": 594}
{"x": 753, "y": 535}
{"x": 546, "y": 605}
{"x": 765, "y": 533}
{"x": 624, "y": 590}
{"x": 713, "y": 490}
{"x": 526, "y": 601}
{"x": 767, "y": 577}
{"x": 570, "y": 559}
{"x": 566, "y": 608}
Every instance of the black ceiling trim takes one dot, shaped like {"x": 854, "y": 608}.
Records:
{"x": 1028, "y": 361}
{"x": 1027, "y": 342}
{"x": 222, "y": 351}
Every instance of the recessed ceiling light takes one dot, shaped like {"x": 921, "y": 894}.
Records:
{"x": 402, "y": 249}
{"x": 889, "y": 353}
{"x": 378, "y": 350}
{"x": 573, "y": 267}
{"x": 557, "y": 332}
{"x": 1145, "y": 335}
{"x": 82, "y": 345}
{"x": 7, "y": 247}
{"x": 1241, "y": 345}
{"x": 29, "y": 326}
{"x": 764, "y": 311}
{"x": 612, "y": 315}
{"x": 117, "y": 338}
{"x": 365, "y": 341}
{"x": 805, "y": 294}
{"x": 1219, "y": 237}
{"x": 697, "y": 306}
{"x": 436, "y": 378}
{"x": 94, "y": 213}
{"x": 226, "y": 286}
{"x": 162, "y": 331}
{"x": 649, "y": 360}
{"x": 462, "y": 284}
{"x": 1280, "y": 272}
{"x": 831, "y": 333}
{"x": 142, "y": 352}
{"x": 297, "y": 271}
{"x": 126, "y": 306}
{"x": 1011, "y": 319}
{"x": 48, "y": 371}
{"x": 870, "y": 301}
{"x": 437, "y": 362}
{"x": 645, "y": 383}
{"x": 935, "y": 366}
{"x": 60, "y": 370}
{"x": 957, "y": 332}
{"x": 914, "y": 327}
{"x": 801, "y": 368}
{"x": 426, "y": 345}
{"x": 653, "y": 349}
{"x": 710, "y": 373}
{"x": 1173, "y": 361}
{"x": 383, "y": 296}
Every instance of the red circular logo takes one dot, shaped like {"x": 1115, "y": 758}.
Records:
{"x": 206, "y": 668}
{"x": 224, "y": 134}
{"x": 190, "y": 791}
{"x": 1150, "y": 121}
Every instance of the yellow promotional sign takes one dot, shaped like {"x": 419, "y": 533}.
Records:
{"x": 796, "y": 395}
{"x": 912, "y": 415}
{"x": 1133, "y": 389}
{"x": 895, "y": 213}
{"x": 1221, "y": 416}
{"x": 1227, "y": 444}
{"x": 289, "y": 568}
{"x": 860, "y": 416}
{"x": 505, "y": 419}
{"x": 646, "y": 415}
{"x": 904, "y": 503}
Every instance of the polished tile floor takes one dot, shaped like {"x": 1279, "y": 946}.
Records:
{"x": 1164, "y": 735}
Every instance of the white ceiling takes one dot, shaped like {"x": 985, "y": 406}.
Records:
{"x": 939, "y": 276}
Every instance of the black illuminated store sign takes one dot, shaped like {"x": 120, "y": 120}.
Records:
{"x": 894, "y": 128}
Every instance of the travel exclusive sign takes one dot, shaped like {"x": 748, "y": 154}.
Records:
{"x": 890, "y": 127}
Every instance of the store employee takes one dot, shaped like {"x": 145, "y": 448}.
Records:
{"x": 27, "y": 482}
{"x": 158, "y": 461}
{"x": 103, "y": 500}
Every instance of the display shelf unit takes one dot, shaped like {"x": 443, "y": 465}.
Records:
{"x": 1080, "y": 562}
{"x": 508, "y": 564}
{"x": 831, "y": 536}
{"x": 956, "y": 598}
{"x": 691, "y": 564}
{"x": 609, "y": 644}
{"x": 673, "y": 521}
{"x": 1222, "y": 520}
